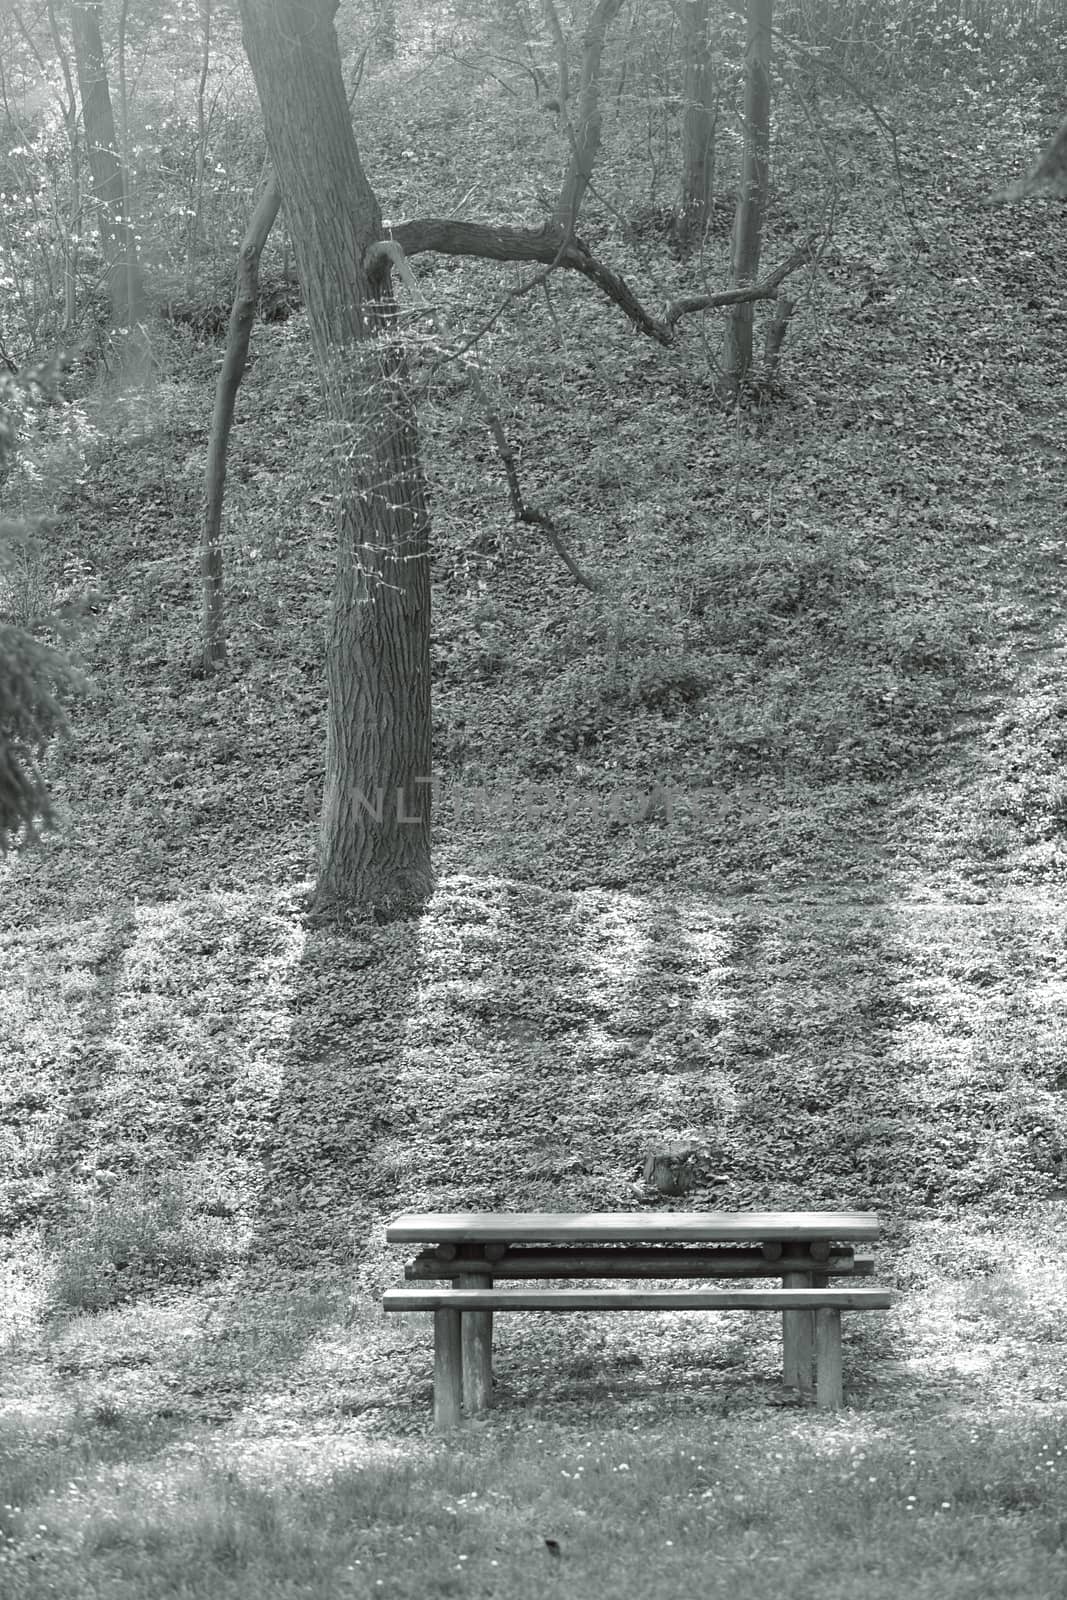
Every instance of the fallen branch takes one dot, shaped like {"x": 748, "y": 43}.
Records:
{"x": 548, "y": 245}
{"x": 766, "y": 289}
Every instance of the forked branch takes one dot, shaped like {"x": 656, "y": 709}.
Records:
{"x": 766, "y": 289}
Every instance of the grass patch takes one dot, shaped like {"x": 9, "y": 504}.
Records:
{"x": 730, "y": 1507}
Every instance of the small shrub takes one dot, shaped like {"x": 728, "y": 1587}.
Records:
{"x": 666, "y": 685}
{"x": 129, "y": 1241}
{"x": 577, "y": 709}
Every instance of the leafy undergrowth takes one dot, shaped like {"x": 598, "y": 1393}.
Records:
{"x": 761, "y": 849}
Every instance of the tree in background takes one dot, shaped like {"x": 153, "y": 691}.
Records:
{"x": 1047, "y": 178}
{"x": 375, "y": 839}
{"x": 109, "y": 186}
{"x": 583, "y": 133}
{"x": 375, "y": 813}
{"x": 699, "y": 113}
{"x": 752, "y": 195}
{"x": 384, "y": 29}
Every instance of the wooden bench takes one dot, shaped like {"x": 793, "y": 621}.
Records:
{"x": 473, "y": 1250}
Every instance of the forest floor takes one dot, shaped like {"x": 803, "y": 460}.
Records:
{"x": 830, "y": 950}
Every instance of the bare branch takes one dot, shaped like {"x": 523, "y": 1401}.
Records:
{"x": 387, "y": 253}
{"x": 547, "y": 244}
{"x": 766, "y": 289}
{"x": 825, "y": 64}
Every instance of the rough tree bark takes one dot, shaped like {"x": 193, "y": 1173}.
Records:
{"x": 700, "y": 109}
{"x": 375, "y": 830}
{"x": 120, "y": 253}
{"x": 752, "y": 198}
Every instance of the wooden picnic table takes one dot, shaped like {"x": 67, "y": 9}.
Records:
{"x": 472, "y": 1250}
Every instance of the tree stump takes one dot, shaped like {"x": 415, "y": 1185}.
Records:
{"x": 672, "y": 1169}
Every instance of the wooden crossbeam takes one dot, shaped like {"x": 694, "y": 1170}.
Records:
{"x": 630, "y": 1261}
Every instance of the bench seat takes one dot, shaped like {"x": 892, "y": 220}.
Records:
{"x": 636, "y": 1299}
{"x": 449, "y": 1305}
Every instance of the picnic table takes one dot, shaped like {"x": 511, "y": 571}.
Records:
{"x": 474, "y": 1251}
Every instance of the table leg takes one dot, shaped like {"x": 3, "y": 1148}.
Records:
{"x": 477, "y": 1342}
{"x": 830, "y": 1388}
{"x": 798, "y": 1337}
{"x": 447, "y": 1370}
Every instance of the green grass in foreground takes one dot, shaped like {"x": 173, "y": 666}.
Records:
{"x": 786, "y": 1504}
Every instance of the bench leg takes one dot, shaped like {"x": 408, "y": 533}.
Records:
{"x": 447, "y": 1370}
{"x": 830, "y": 1389}
{"x": 477, "y": 1341}
{"x": 798, "y": 1337}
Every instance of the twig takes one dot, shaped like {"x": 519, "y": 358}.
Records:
{"x": 864, "y": 99}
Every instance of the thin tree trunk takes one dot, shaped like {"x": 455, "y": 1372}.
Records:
{"x": 385, "y": 29}
{"x": 752, "y": 199}
{"x": 242, "y": 316}
{"x": 375, "y": 836}
{"x": 584, "y": 134}
{"x": 124, "y": 273}
{"x": 555, "y": 28}
{"x": 69, "y": 105}
{"x": 196, "y": 209}
{"x": 698, "y": 127}
{"x": 134, "y": 307}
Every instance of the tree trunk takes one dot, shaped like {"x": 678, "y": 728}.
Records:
{"x": 752, "y": 198}
{"x": 584, "y": 135}
{"x": 242, "y": 316}
{"x": 1047, "y": 179}
{"x": 375, "y": 839}
{"x": 69, "y": 103}
{"x": 192, "y": 239}
{"x": 385, "y": 29}
{"x": 698, "y": 128}
{"x": 120, "y": 253}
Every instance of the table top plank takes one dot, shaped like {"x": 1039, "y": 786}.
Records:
{"x": 630, "y": 1227}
